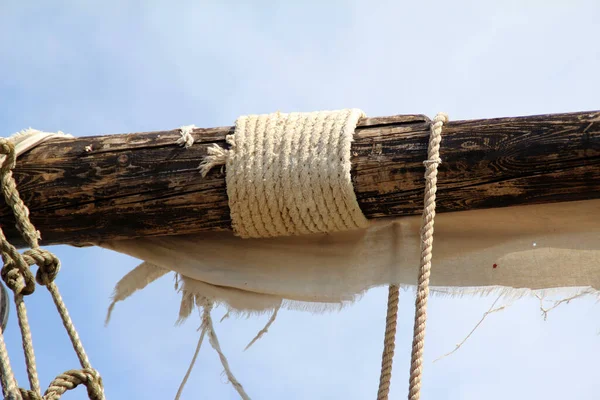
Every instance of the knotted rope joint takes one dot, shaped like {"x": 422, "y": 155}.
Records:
{"x": 18, "y": 277}
{"x": 431, "y": 165}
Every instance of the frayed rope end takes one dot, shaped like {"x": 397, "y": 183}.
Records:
{"x": 186, "y": 140}
{"x": 216, "y": 156}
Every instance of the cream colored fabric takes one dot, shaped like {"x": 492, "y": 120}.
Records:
{"x": 532, "y": 247}
{"x": 289, "y": 174}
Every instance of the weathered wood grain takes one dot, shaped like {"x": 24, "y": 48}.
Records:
{"x": 486, "y": 163}
{"x": 141, "y": 184}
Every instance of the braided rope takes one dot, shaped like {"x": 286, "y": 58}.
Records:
{"x": 9, "y": 383}
{"x": 289, "y": 174}
{"x": 71, "y": 379}
{"x": 431, "y": 164}
{"x": 389, "y": 344}
{"x": 207, "y": 324}
{"x": 18, "y": 277}
{"x": 32, "y": 375}
{"x": 431, "y": 169}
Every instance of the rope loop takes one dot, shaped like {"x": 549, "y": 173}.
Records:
{"x": 48, "y": 263}
{"x": 7, "y": 148}
{"x": 11, "y": 194}
{"x": 17, "y": 275}
{"x": 70, "y": 379}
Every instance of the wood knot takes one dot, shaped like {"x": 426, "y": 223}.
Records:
{"x": 123, "y": 160}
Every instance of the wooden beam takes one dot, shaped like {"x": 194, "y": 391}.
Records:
{"x": 141, "y": 184}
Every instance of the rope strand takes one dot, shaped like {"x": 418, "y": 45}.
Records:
{"x": 431, "y": 169}
{"x": 32, "y": 375}
{"x": 431, "y": 164}
{"x": 389, "y": 344}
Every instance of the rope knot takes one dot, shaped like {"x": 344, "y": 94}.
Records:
{"x": 69, "y": 380}
{"x": 433, "y": 161}
{"x": 17, "y": 276}
{"x": 8, "y": 149}
{"x": 29, "y": 395}
{"x": 186, "y": 140}
{"x": 48, "y": 264}
{"x": 94, "y": 385}
{"x": 441, "y": 118}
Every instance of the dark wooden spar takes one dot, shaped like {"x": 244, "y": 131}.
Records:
{"x": 132, "y": 185}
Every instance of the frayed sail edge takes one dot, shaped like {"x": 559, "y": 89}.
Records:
{"x": 191, "y": 299}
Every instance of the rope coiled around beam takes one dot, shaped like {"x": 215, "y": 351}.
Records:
{"x": 289, "y": 174}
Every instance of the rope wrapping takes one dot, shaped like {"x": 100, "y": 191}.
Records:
{"x": 289, "y": 174}
{"x": 431, "y": 170}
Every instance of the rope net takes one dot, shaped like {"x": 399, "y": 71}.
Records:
{"x": 19, "y": 279}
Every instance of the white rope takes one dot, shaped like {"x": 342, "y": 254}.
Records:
{"x": 192, "y": 363}
{"x": 289, "y": 174}
{"x": 186, "y": 140}
{"x": 431, "y": 166}
{"x": 207, "y": 324}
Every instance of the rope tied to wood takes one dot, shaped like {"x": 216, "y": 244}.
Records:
{"x": 289, "y": 174}
{"x": 19, "y": 278}
{"x": 431, "y": 170}
{"x": 431, "y": 166}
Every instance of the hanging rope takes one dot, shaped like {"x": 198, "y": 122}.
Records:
{"x": 431, "y": 164}
{"x": 389, "y": 344}
{"x": 18, "y": 277}
{"x": 431, "y": 169}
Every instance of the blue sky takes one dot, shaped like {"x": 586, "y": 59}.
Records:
{"x": 90, "y": 68}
